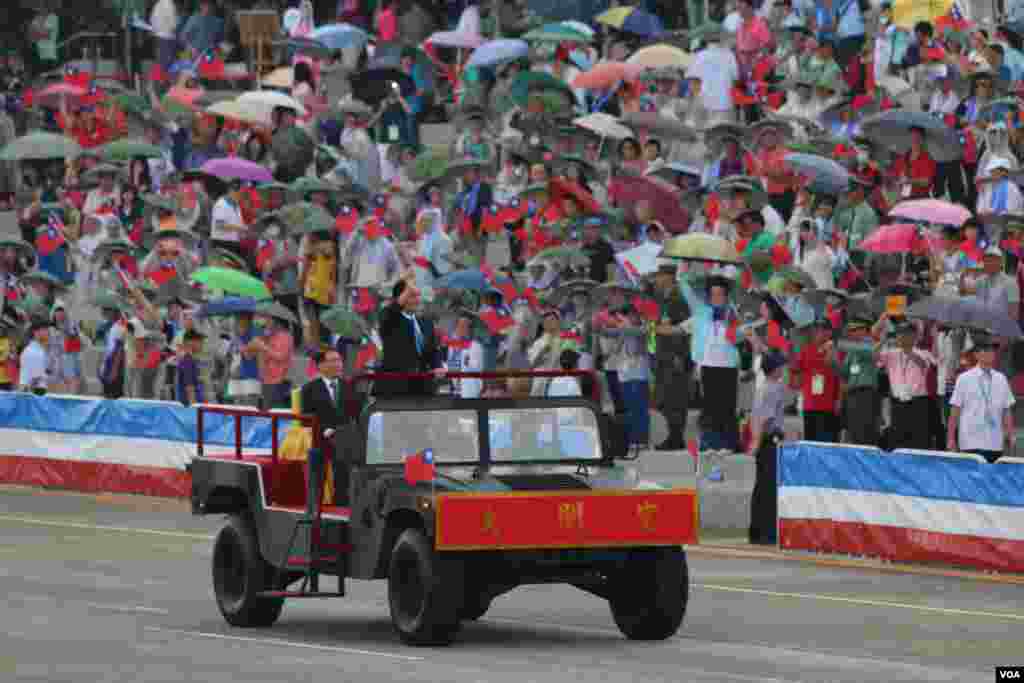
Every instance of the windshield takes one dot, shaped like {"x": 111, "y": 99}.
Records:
{"x": 516, "y": 435}
{"x": 544, "y": 434}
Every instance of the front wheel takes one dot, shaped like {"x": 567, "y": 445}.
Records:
{"x": 239, "y": 574}
{"x": 423, "y": 592}
{"x": 649, "y": 596}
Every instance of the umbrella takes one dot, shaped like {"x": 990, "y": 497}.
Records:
{"x": 231, "y": 281}
{"x": 466, "y": 40}
{"x": 659, "y": 125}
{"x": 316, "y": 222}
{"x": 824, "y": 296}
{"x": 374, "y": 85}
{"x": 297, "y": 214}
{"x": 340, "y": 36}
{"x": 561, "y": 188}
{"x": 931, "y": 211}
{"x": 605, "y": 75}
{"x": 600, "y": 295}
{"x": 701, "y": 247}
{"x": 44, "y": 277}
{"x": 40, "y": 145}
{"x": 237, "y": 111}
{"x": 470, "y": 279}
{"x": 796, "y": 275}
{"x": 272, "y": 309}
{"x": 105, "y": 299}
{"x": 236, "y": 168}
{"x": 127, "y": 149}
{"x": 605, "y": 125}
{"x": 133, "y": 103}
{"x": 306, "y": 46}
{"x": 557, "y": 33}
{"x": 628, "y": 190}
{"x": 565, "y": 292}
{"x": 344, "y": 321}
{"x": 891, "y": 129}
{"x": 177, "y": 290}
{"x": 529, "y": 82}
{"x": 716, "y": 135}
{"x": 632, "y": 20}
{"x": 457, "y": 169}
{"x": 281, "y": 77}
{"x": 661, "y": 57}
{"x": 51, "y": 95}
{"x": 570, "y": 257}
{"x": 498, "y": 51}
{"x": 108, "y": 247}
{"x": 901, "y": 238}
{"x": 966, "y": 312}
{"x": 229, "y": 305}
{"x": 266, "y": 101}
{"x": 826, "y": 175}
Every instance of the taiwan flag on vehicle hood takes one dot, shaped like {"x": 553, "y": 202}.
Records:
{"x": 419, "y": 467}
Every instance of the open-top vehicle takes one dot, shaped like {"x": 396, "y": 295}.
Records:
{"x": 521, "y": 491}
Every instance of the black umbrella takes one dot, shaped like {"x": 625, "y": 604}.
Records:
{"x": 374, "y": 85}
{"x": 966, "y": 312}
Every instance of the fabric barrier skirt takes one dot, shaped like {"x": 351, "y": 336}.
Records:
{"x": 123, "y": 446}
{"x": 907, "y": 506}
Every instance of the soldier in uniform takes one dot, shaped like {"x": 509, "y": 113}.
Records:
{"x": 672, "y": 362}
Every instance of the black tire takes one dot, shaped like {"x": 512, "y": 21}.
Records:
{"x": 423, "y": 592}
{"x": 239, "y": 574}
{"x": 650, "y": 595}
{"x": 474, "y": 608}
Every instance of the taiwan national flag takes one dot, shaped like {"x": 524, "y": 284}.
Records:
{"x": 211, "y": 65}
{"x": 264, "y": 254}
{"x": 365, "y": 302}
{"x": 162, "y": 274}
{"x": 50, "y": 238}
{"x": 75, "y": 76}
{"x": 497, "y": 323}
{"x": 648, "y": 309}
{"x": 365, "y": 355}
{"x": 347, "y": 220}
{"x": 491, "y": 221}
{"x": 419, "y": 467}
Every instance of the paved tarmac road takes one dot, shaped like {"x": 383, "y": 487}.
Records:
{"x": 118, "y": 589}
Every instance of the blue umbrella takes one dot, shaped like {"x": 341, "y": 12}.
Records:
{"x": 827, "y": 175}
{"x": 340, "y": 36}
{"x": 473, "y": 280}
{"x": 644, "y": 24}
{"x": 229, "y": 305}
{"x": 497, "y": 51}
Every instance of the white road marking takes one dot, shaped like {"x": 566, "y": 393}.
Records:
{"x": 29, "y": 597}
{"x": 285, "y": 643}
{"x": 128, "y": 608}
{"x": 100, "y": 527}
{"x": 863, "y": 602}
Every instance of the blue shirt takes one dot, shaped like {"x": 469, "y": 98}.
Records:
{"x": 188, "y": 376}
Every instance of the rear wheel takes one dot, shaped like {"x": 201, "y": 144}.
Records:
{"x": 423, "y": 592}
{"x": 649, "y": 596}
{"x": 239, "y": 574}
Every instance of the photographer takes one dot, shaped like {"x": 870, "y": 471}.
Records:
{"x": 399, "y": 114}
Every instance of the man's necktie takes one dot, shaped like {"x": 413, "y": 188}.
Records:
{"x": 336, "y": 391}
{"x": 419, "y": 335}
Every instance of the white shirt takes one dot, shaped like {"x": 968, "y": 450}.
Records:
{"x": 982, "y": 400}
{"x": 467, "y": 360}
{"x": 225, "y": 212}
{"x": 717, "y": 69}
{"x": 716, "y": 348}
{"x": 33, "y": 366}
{"x": 564, "y": 386}
{"x": 164, "y": 19}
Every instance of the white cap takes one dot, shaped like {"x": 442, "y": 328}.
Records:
{"x": 997, "y": 163}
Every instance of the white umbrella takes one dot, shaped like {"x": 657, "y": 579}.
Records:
{"x": 579, "y": 26}
{"x": 268, "y": 100}
{"x": 238, "y": 111}
{"x": 457, "y": 39}
{"x": 605, "y": 125}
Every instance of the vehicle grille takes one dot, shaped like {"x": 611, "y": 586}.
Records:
{"x": 541, "y": 482}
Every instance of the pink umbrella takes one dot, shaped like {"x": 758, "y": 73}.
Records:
{"x": 628, "y": 190}
{"x": 900, "y": 238}
{"x": 931, "y": 211}
{"x": 231, "y": 168}
{"x": 50, "y": 95}
{"x": 606, "y": 74}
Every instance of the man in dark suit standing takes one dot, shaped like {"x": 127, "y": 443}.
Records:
{"x": 473, "y": 201}
{"x": 325, "y": 397}
{"x": 409, "y": 344}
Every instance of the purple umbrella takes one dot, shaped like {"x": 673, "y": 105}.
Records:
{"x": 231, "y": 168}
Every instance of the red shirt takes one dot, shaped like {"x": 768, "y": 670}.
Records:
{"x": 99, "y": 134}
{"x": 819, "y": 382}
{"x": 921, "y": 168}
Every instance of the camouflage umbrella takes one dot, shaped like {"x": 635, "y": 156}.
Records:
{"x": 297, "y": 214}
{"x": 344, "y": 321}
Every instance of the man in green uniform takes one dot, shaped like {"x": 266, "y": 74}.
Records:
{"x": 859, "y": 375}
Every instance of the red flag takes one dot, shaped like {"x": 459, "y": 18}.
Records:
{"x": 162, "y": 274}
{"x": 366, "y": 355}
{"x": 630, "y": 268}
{"x": 647, "y": 308}
{"x": 347, "y": 220}
{"x": 122, "y": 277}
{"x": 458, "y": 344}
{"x": 157, "y": 74}
{"x": 419, "y": 467}
{"x": 365, "y": 301}
{"x": 508, "y": 290}
{"x": 488, "y": 272}
{"x": 691, "y": 447}
{"x": 497, "y": 323}
{"x": 50, "y": 238}
{"x": 491, "y": 221}
{"x": 264, "y": 253}
{"x": 531, "y": 297}
{"x": 422, "y": 262}
{"x": 211, "y": 65}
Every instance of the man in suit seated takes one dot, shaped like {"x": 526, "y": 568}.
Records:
{"x": 325, "y": 397}
{"x": 409, "y": 344}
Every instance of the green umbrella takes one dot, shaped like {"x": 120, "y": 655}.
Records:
{"x": 177, "y": 290}
{"x": 109, "y": 300}
{"x": 343, "y": 321}
{"x": 232, "y": 282}
{"x": 316, "y": 222}
{"x": 40, "y": 145}
{"x": 428, "y": 166}
{"x": 132, "y": 103}
{"x": 305, "y": 186}
{"x": 272, "y": 309}
{"x": 42, "y": 276}
{"x": 556, "y": 33}
{"x": 128, "y": 149}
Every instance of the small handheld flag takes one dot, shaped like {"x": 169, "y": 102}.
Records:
{"x": 163, "y": 274}
{"x": 419, "y": 467}
{"x": 347, "y": 220}
{"x": 50, "y": 238}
